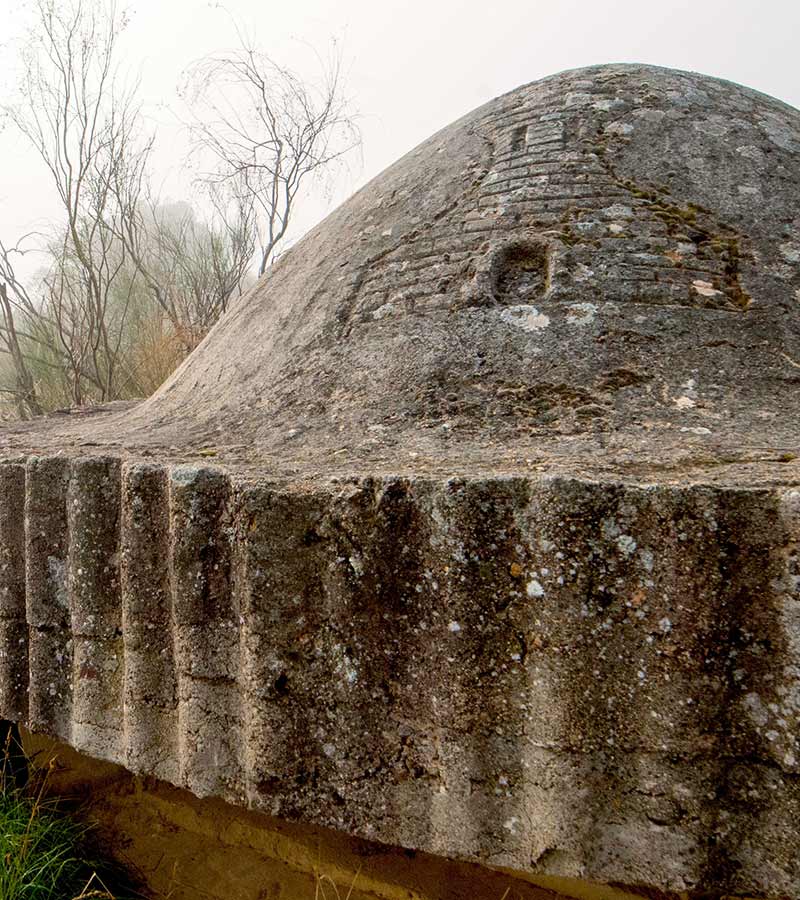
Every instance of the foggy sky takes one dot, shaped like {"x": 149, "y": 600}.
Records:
{"x": 412, "y": 67}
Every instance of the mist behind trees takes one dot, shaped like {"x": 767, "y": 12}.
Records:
{"x": 128, "y": 283}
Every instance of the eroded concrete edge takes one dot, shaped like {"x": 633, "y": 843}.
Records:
{"x": 573, "y": 679}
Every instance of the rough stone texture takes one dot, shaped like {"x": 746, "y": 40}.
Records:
{"x": 497, "y": 556}
{"x": 183, "y": 848}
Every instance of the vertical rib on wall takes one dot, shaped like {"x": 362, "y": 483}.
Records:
{"x": 205, "y": 629}
{"x": 47, "y": 603}
{"x": 13, "y": 621}
{"x": 93, "y": 588}
{"x": 150, "y": 693}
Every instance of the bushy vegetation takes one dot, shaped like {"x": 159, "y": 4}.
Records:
{"x": 128, "y": 284}
{"x": 100, "y": 329}
{"x": 40, "y": 852}
{"x": 45, "y": 854}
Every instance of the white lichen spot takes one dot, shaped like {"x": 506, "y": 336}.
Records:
{"x": 699, "y": 429}
{"x": 665, "y": 625}
{"x": 607, "y": 104}
{"x": 790, "y": 252}
{"x": 647, "y": 559}
{"x": 328, "y": 749}
{"x": 617, "y": 211}
{"x": 751, "y": 152}
{"x": 57, "y": 570}
{"x": 626, "y": 544}
{"x": 716, "y": 126}
{"x": 381, "y": 312}
{"x": 649, "y": 115}
{"x": 528, "y": 318}
{"x": 610, "y": 528}
{"x": 616, "y": 228}
{"x": 779, "y": 132}
{"x": 619, "y": 129}
{"x": 534, "y": 589}
{"x": 454, "y": 627}
{"x": 510, "y": 825}
{"x": 756, "y": 710}
{"x": 581, "y": 313}
{"x": 705, "y": 288}
{"x": 578, "y": 98}
{"x": 685, "y": 403}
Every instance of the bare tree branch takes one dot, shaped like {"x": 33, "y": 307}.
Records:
{"x": 265, "y": 132}
{"x": 129, "y": 285}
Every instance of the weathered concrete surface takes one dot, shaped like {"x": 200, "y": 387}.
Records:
{"x": 498, "y": 554}
{"x": 598, "y": 271}
{"x": 586, "y": 680}
{"x": 183, "y": 848}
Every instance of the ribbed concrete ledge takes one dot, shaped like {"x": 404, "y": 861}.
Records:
{"x": 569, "y": 678}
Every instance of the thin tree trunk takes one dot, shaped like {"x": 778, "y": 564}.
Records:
{"x": 26, "y": 398}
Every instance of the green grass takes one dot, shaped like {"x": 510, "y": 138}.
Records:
{"x": 45, "y": 854}
{"x": 39, "y": 852}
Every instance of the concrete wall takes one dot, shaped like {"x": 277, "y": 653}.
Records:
{"x": 190, "y": 849}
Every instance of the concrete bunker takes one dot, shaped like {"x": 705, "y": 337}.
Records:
{"x": 511, "y": 585}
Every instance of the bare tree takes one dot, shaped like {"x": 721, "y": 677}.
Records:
{"x": 130, "y": 285}
{"x": 16, "y": 304}
{"x": 192, "y": 268}
{"x": 206, "y": 263}
{"x": 267, "y": 132}
{"x": 85, "y": 126}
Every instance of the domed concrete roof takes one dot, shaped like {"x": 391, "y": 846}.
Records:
{"x": 496, "y": 555}
{"x": 603, "y": 265}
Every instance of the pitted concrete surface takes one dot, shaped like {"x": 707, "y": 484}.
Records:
{"x": 474, "y": 527}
